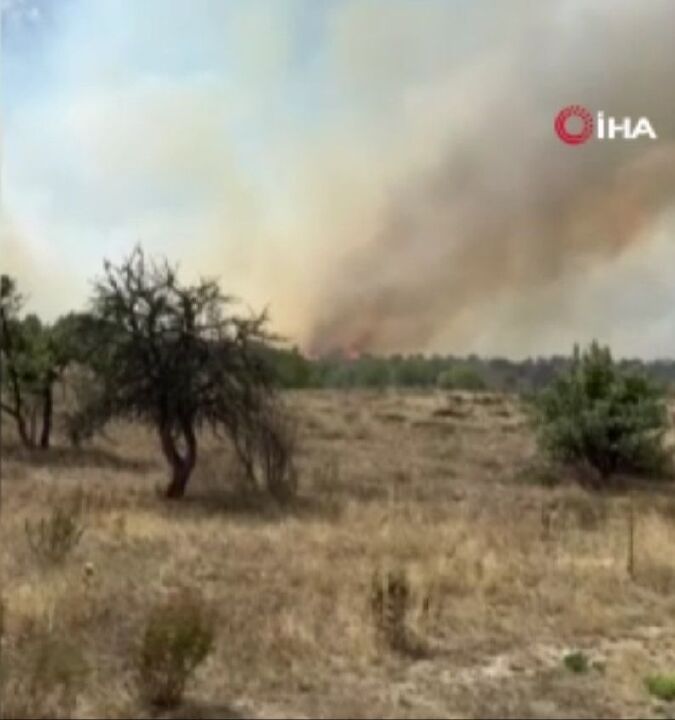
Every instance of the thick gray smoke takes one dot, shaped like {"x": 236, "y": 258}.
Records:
{"x": 505, "y": 208}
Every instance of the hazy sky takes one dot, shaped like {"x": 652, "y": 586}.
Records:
{"x": 266, "y": 142}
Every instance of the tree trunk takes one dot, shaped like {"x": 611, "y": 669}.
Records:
{"x": 179, "y": 481}
{"x": 47, "y": 415}
{"x": 33, "y": 425}
{"x": 23, "y": 431}
{"x": 181, "y": 466}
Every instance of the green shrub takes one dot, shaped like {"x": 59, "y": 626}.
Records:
{"x": 661, "y": 686}
{"x": 599, "y": 414}
{"x": 178, "y": 637}
{"x": 52, "y": 538}
{"x": 576, "y": 662}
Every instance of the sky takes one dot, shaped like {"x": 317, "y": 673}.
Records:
{"x": 274, "y": 144}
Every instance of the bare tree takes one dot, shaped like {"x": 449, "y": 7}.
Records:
{"x": 172, "y": 355}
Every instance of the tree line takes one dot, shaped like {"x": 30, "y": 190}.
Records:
{"x": 296, "y": 370}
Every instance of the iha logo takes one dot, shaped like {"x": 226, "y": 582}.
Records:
{"x": 581, "y": 118}
{"x": 575, "y": 124}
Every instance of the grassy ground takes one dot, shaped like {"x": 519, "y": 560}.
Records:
{"x": 506, "y": 575}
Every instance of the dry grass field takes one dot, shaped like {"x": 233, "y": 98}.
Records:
{"x": 506, "y": 574}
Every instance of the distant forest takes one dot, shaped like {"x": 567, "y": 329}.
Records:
{"x": 295, "y": 370}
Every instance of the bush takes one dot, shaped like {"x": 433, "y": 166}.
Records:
{"x": 277, "y": 449}
{"x": 178, "y": 637}
{"x": 602, "y": 415}
{"x": 52, "y": 538}
{"x": 661, "y": 686}
{"x": 266, "y": 449}
{"x": 390, "y": 604}
{"x": 576, "y": 662}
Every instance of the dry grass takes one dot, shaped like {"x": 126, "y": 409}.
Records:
{"x": 506, "y": 576}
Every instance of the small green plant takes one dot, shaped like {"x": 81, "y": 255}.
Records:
{"x": 661, "y": 686}
{"x": 603, "y": 416}
{"x": 390, "y": 604}
{"x": 53, "y": 538}
{"x": 178, "y": 637}
{"x": 576, "y": 662}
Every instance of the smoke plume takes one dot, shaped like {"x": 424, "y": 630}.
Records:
{"x": 504, "y": 208}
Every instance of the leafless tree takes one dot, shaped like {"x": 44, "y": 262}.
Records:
{"x": 176, "y": 357}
